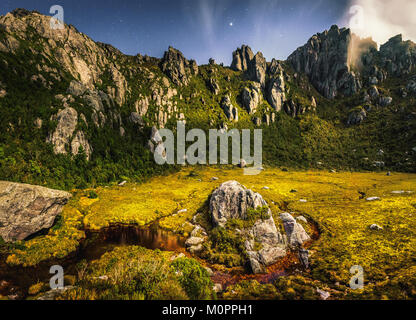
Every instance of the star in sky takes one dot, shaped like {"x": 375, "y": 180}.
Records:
{"x": 231, "y": 24}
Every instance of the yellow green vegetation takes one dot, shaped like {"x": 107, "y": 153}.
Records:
{"x": 335, "y": 201}
{"x": 138, "y": 273}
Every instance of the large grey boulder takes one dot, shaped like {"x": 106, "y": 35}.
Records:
{"x": 26, "y": 209}
{"x": 231, "y": 201}
{"x": 264, "y": 244}
{"x": 356, "y": 117}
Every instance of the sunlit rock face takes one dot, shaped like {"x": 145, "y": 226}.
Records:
{"x": 324, "y": 59}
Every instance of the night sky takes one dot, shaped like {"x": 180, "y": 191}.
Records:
{"x": 199, "y": 28}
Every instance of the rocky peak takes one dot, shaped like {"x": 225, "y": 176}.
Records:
{"x": 177, "y": 67}
{"x": 242, "y": 58}
{"x": 257, "y": 69}
{"x": 324, "y": 59}
{"x": 398, "y": 57}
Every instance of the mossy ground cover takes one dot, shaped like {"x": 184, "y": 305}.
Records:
{"x": 335, "y": 201}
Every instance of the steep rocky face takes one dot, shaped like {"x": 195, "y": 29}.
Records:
{"x": 257, "y": 69}
{"x": 398, "y": 57}
{"x": 230, "y": 111}
{"x": 251, "y": 98}
{"x": 76, "y": 53}
{"x": 324, "y": 59}
{"x": 276, "y": 95}
{"x": 177, "y": 68}
{"x": 255, "y": 66}
{"x": 27, "y": 209}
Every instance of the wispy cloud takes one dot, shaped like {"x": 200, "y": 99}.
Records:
{"x": 383, "y": 19}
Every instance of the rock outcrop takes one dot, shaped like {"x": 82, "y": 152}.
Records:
{"x": 230, "y": 111}
{"x": 177, "y": 67}
{"x": 251, "y": 98}
{"x": 242, "y": 58}
{"x": 276, "y": 95}
{"x": 325, "y": 60}
{"x": 255, "y": 66}
{"x": 27, "y": 209}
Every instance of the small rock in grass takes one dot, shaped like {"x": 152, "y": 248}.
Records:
{"x": 373, "y": 199}
{"x": 266, "y": 188}
{"x": 175, "y": 257}
{"x": 401, "y": 192}
{"x": 214, "y": 179}
{"x": 375, "y": 227}
{"x": 194, "y": 241}
{"x": 303, "y": 200}
{"x": 183, "y": 211}
{"x": 209, "y": 270}
{"x": 324, "y": 295}
{"x": 196, "y": 249}
{"x": 293, "y": 191}
{"x": 121, "y": 184}
{"x": 242, "y": 163}
{"x": 302, "y": 218}
{"x": 217, "y": 287}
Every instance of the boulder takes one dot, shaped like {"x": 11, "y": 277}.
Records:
{"x": 385, "y": 101}
{"x": 27, "y": 209}
{"x": 295, "y": 233}
{"x": 376, "y": 227}
{"x": 356, "y": 117}
{"x": 231, "y": 201}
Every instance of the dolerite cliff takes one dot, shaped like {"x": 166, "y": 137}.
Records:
{"x": 61, "y": 90}
{"x": 326, "y": 62}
